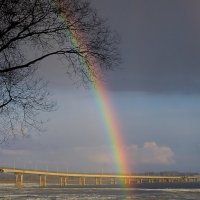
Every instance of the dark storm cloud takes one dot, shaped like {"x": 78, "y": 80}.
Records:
{"x": 160, "y": 44}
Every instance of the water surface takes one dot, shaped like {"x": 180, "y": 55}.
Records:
{"x": 142, "y": 192}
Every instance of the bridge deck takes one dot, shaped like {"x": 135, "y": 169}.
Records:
{"x": 95, "y": 175}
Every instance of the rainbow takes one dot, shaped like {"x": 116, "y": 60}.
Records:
{"x": 113, "y": 127}
{"x": 102, "y": 95}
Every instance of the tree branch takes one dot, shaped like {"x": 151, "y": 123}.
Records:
{"x": 60, "y": 52}
{"x": 6, "y": 103}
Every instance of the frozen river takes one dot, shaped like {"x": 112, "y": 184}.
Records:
{"x": 179, "y": 192}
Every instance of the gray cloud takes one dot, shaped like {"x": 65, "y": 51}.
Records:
{"x": 160, "y": 45}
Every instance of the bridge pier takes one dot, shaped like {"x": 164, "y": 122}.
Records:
{"x": 63, "y": 181}
{"x": 19, "y": 180}
{"x": 140, "y": 180}
{"x": 62, "y": 184}
{"x": 43, "y": 181}
{"x": 113, "y": 181}
{"x": 82, "y": 181}
{"x": 127, "y": 181}
{"x": 161, "y": 180}
{"x": 150, "y": 180}
{"x": 98, "y": 181}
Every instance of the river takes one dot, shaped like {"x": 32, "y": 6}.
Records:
{"x": 190, "y": 191}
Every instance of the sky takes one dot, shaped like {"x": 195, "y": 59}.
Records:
{"x": 155, "y": 92}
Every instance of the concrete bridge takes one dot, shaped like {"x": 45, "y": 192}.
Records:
{"x": 92, "y": 179}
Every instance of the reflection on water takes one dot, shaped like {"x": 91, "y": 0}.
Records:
{"x": 144, "y": 192}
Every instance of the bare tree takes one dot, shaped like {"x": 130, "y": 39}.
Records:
{"x": 33, "y": 30}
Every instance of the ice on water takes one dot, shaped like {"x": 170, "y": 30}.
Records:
{"x": 30, "y": 192}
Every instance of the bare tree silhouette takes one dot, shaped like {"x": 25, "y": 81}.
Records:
{"x": 33, "y": 30}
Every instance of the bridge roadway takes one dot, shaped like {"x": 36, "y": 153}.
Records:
{"x": 98, "y": 179}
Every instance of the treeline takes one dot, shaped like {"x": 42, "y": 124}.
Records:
{"x": 168, "y": 173}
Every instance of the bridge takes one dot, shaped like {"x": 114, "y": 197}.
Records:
{"x": 92, "y": 178}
